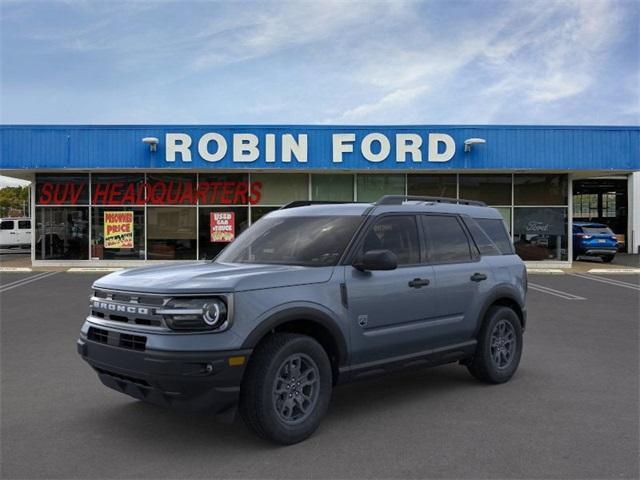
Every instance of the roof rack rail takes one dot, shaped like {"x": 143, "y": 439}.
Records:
{"x": 306, "y": 203}
{"x": 399, "y": 199}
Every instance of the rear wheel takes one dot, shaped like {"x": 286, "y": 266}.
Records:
{"x": 287, "y": 388}
{"x": 499, "y": 346}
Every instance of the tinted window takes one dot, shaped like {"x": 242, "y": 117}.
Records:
{"x": 397, "y": 234}
{"x": 496, "y": 231}
{"x": 541, "y": 189}
{"x": 597, "y": 230}
{"x": 6, "y": 225}
{"x": 491, "y": 189}
{"x": 447, "y": 240}
{"x": 308, "y": 241}
{"x": 481, "y": 239}
{"x": 24, "y": 224}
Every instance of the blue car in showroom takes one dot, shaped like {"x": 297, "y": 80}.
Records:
{"x": 594, "y": 239}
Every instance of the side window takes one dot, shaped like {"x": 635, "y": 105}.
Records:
{"x": 446, "y": 240}
{"x": 495, "y": 229}
{"x": 481, "y": 239}
{"x": 6, "y": 225}
{"x": 24, "y": 224}
{"x": 398, "y": 234}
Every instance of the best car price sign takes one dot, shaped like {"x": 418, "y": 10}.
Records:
{"x": 118, "y": 229}
{"x": 222, "y": 227}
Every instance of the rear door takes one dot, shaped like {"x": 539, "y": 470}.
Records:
{"x": 390, "y": 311}
{"x": 24, "y": 232}
{"x": 461, "y": 277}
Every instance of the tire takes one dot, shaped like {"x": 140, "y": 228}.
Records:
{"x": 608, "y": 258}
{"x": 492, "y": 366}
{"x": 268, "y": 402}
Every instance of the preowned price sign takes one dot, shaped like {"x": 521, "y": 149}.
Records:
{"x": 118, "y": 229}
{"x": 223, "y": 227}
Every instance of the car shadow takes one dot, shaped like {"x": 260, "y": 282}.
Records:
{"x": 192, "y": 432}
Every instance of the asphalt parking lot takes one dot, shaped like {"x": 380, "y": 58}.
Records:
{"x": 571, "y": 411}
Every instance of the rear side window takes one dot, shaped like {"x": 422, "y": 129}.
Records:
{"x": 494, "y": 228}
{"x": 24, "y": 224}
{"x": 447, "y": 242}
{"x": 398, "y": 234}
{"x": 482, "y": 240}
{"x": 6, "y": 225}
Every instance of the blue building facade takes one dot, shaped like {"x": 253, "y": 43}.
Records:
{"x": 130, "y": 194}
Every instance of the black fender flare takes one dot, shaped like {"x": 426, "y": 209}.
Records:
{"x": 501, "y": 292}
{"x": 300, "y": 313}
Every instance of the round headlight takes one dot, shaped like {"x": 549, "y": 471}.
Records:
{"x": 214, "y": 313}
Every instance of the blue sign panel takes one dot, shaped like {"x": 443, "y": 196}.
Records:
{"x": 310, "y": 148}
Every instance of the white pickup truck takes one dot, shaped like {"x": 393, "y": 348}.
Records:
{"x": 15, "y": 232}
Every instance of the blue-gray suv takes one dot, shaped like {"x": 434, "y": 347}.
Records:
{"x": 313, "y": 295}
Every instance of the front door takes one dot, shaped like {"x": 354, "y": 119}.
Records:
{"x": 390, "y": 311}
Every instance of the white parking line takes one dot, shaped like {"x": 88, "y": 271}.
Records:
{"x": 609, "y": 281}
{"x": 24, "y": 281}
{"x": 555, "y": 293}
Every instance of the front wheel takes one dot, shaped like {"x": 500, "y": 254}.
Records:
{"x": 499, "y": 346}
{"x": 287, "y": 388}
{"x": 608, "y": 258}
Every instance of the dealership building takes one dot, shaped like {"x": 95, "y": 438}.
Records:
{"x": 122, "y": 195}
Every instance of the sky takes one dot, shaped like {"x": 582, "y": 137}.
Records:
{"x": 320, "y": 62}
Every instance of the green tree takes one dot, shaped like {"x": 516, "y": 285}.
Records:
{"x": 14, "y": 200}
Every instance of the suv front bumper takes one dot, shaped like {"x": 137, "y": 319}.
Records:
{"x": 189, "y": 380}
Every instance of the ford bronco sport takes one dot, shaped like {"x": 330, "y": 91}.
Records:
{"x": 310, "y": 296}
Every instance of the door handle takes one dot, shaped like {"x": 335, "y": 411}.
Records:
{"x": 418, "y": 282}
{"x": 478, "y": 277}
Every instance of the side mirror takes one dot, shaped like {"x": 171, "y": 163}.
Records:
{"x": 376, "y": 260}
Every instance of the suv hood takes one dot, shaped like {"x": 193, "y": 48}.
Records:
{"x": 209, "y": 277}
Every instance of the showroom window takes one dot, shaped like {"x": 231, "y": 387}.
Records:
{"x": 117, "y": 233}
{"x": 281, "y": 188}
{"x": 540, "y": 233}
{"x": 332, "y": 187}
{"x": 227, "y": 189}
{"x": 219, "y": 226}
{"x": 171, "y": 189}
{"x": 540, "y": 189}
{"x": 117, "y": 189}
{"x": 432, "y": 185}
{"x": 62, "y": 189}
{"x": 491, "y": 189}
{"x": 171, "y": 233}
{"x": 62, "y": 233}
{"x": 373, "y": 186}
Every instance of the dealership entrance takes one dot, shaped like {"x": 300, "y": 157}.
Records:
{"x": 603, "y": 200}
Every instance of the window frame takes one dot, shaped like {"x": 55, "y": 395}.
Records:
{"x": 474, "y": 254}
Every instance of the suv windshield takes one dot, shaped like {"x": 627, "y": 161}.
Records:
{"x": 309, "y": 241}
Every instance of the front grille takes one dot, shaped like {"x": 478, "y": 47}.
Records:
{"x": 129, "y": 308}
{"x": 122, "y": 340}
{"x": 133, "y": 342}
{"x": 98, "y": 335}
